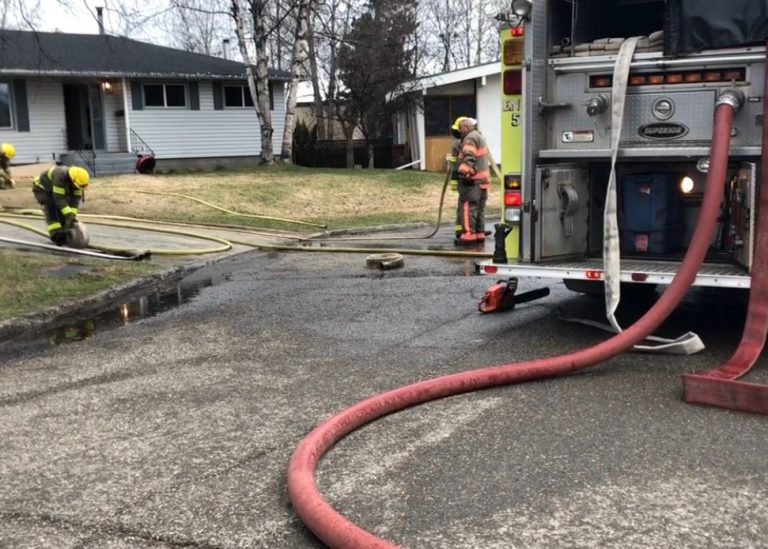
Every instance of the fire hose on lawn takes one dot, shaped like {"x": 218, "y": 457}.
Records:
{"x": 337, "y": 531}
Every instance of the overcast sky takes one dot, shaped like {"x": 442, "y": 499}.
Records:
{"x": 75, "y": 17}
{"x": 79, "y": 16}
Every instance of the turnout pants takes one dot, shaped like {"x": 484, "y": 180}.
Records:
{"x": 470, "y": 214}
{"x": 54, "y": 221}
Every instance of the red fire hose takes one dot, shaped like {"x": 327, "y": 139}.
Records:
{"x": 719, "y": 387}
{"x": 337, "y": 531}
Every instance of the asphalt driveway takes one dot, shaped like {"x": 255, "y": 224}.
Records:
{"x": 175, "y": 429}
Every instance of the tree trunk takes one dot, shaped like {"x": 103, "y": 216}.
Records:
{"x": 318, "y": 99}
{"x": 350, "y": 147}
{"x": 370, "y": 153}
{"x": 300, "y": 47}
{"x": 251, "y": 29}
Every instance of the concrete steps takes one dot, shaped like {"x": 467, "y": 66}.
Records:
{"x": 102, "y": 163}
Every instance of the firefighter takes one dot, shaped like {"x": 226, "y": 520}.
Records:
{"x": 7, "y": 152}
{"x": 453, "y": 159}
{"x": 474, "y": 180}
{"x": 59, "y": 191}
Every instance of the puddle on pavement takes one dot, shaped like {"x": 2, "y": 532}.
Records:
{"x": 132, "y": 309}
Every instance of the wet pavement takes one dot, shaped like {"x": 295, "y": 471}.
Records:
{"x": 170, "y": 423}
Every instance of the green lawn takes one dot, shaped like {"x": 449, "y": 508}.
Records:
{"x": 338, "y": 198}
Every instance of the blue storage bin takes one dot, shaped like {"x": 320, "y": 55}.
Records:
{"x": 651, "y": 213}
{"x": 652, "y": 242}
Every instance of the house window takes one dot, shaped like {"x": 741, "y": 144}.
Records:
{"x": 237, "y": 96}
{"x": 165, "y": 95}
{"x": 441, "y": 111}
{"x": 6, "y": 121}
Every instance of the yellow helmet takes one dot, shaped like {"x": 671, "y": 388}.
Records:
{"x": 79, "y": 176}
{"x": 8, "y": 150}
{"x": 457, "y": 124}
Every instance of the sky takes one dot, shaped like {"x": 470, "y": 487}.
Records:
{"x": 79, "y": 16}
{"x": 73, "y": 17}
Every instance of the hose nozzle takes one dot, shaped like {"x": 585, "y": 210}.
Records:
{"x": 734, "y": 98}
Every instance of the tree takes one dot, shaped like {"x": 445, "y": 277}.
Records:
{"x": 19, "y": 14}
{"x": 252, "y": 27}
{"x": 298, "y": 69}
{"x": 458, "y": 33}
{"x": 376, "y": 66}
{"x": 199, "y": 26}
{"x": 333, "y": 20}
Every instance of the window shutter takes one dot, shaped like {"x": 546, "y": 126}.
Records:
{"x": 194, "y": 96}
{"x": 22, "y": 109}
{"x": 218, "y": 96}
{"x": 136, "y": 95}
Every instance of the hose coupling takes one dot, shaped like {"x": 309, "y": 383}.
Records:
{"x": 597, "y": 105}
{"x": 732, "y": 97}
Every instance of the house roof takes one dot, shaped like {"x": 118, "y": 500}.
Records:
{"x": 459, "y": 75}
{"x": 103, "y": 55}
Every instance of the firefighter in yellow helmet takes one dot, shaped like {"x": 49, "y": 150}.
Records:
{"x": 474, "y": 179}
{"x": 59, "y": 191}
{"x": 7, "y": 152}
{"x": 453, "y": 159}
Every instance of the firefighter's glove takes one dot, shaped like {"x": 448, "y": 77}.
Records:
{"x": 59, "y": 237}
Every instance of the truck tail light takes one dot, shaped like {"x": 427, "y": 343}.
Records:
{"x": 513, "y": 82}
{"x": 512, "y": 181}
{"x": 513, "y": 199}
{"x": 513, "y": 52}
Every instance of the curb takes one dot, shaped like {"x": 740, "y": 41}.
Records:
{"x": 51, "y": 317}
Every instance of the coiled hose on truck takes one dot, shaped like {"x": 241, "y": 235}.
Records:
{"x": 337, "y": 531}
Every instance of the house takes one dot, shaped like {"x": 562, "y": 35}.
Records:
{"x": 98, "y": 100}
{"x": 305, "y": 113}
{"x": 474, "y": 91}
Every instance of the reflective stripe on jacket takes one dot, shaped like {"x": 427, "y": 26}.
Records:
{"x": 56, "y": 183}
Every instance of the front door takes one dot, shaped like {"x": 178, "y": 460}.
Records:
{"x": 83, "y": 114}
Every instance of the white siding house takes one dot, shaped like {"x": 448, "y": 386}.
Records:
{"x": 228, "y": 131}
{"x": 475, "y": 92}
{"x": 99, "y": 100}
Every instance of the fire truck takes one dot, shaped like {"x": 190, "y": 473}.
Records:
{"x": 585, "y": 115}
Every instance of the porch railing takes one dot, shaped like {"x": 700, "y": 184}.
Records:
{"x": 139, "y": 146}
{"x": 89, "y": 159}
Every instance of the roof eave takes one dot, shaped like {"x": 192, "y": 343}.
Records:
{"x": 122, "y": 74}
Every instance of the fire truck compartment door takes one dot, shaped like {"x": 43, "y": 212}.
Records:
{"x": 562, "y": 227}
